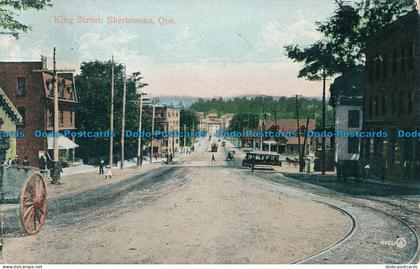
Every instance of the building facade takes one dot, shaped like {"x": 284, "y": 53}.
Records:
{"x": 392, "y": 99}
{"x": 167, "y": 119}
{"x": 30, "y": 90}
{"x": 347, "y": 101}
{"x": 10, "y": 118}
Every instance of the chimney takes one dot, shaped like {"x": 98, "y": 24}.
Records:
{"x": 44, "y": 62}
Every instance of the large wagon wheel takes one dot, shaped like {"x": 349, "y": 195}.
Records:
{"x": 33, "y": 204}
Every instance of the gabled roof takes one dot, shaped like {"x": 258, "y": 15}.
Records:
{"x": 9, "y": 107}
{"x": 284, "y": 125}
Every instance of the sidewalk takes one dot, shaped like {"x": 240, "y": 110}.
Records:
{"x": 332, "y": 177}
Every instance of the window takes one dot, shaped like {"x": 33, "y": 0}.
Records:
{"x": 376, "y": 106}
{"x": 377, "y": 67}
{"x": 385, "y": 65}
{"x": 22, "y": 111}
{"x": 394, "y": 62}
{"x": 70, "y": 93}
{"x": 71, "y": 118}
{"x": 384, "y": 105}
{"x": 401, "y": 103}
{"x": 403, "y": 55}
{"x": 353, "y": 145}
{"x": 61, "y": 92}
{"x": 50, "y": 89}
{"x": 61, "y": 118}
{"x": 50, "y": 118}
{"x": 21, "y": 86}
{"x": 410, "y": 99}
{"x": 394, "y": 103}
{"x": 354, "y": 119}
{"x": 411, "y": 56}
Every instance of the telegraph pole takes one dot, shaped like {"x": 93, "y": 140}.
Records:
{"x": 185, "y": 138}
{"x": 298, "y": 134}
{"x": 56, "y": 157}
{"x": 56, "y": 171}
{"x": 111, "y": 128}
{"x": 139, "y": 146}
{"x": 123, "y": 119}
{"x": 153, "y": 130}
{"x": 323, "y": 122}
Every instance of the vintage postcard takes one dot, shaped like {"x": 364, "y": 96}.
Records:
{"x": 209, "y": 132}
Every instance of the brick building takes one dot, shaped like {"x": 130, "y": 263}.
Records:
{"x": 167, "y": 119}
{"x": 392, "y": 99}
{"x": 31, "y": 93}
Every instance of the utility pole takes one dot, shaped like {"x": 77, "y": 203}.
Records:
{"x": 123, "y": 118}
{"x": 298, "y": 134}
{"x": 304, "y": 145}
{"x": 139, "y": 146}
{"x": 54, "y": 82}
{"x": 153, "y": 130}
{"x": 185, "y": 138}
{"x": 56, "y": 169}
{"x": 323, "y": 121}
{"x": 111, "y": 128}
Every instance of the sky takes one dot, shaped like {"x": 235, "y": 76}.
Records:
{"x": 187, "y": 47}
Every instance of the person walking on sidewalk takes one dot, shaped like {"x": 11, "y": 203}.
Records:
{"x": 101, "y": 167}
{"x": 213, "y": 159}
{"x": 108, "y": 173}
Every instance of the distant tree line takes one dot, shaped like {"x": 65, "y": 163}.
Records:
{"x": 263, "y": 107}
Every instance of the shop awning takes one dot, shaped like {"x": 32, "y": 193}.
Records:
{"x": 63, "y": 143}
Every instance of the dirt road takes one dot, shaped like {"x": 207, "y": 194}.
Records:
{"x": 197, "y": 212}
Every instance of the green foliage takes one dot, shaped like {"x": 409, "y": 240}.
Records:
{"x": 94, "y": 93}
{"x": 244, "y": 121}
{"x": 346, "y": 34}
{"x": 264, "y": 107}
{"x": 8, "y": 15}
{"x": 188, "y": 118}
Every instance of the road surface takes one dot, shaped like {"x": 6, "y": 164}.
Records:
{"x": 198, "y": 211}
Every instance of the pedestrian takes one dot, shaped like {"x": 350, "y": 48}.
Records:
{"x": 407, "y": 169}
{"x": 42, "y": 162}
{"x": 26, "y": 164}
{"x": 101, "y": 167}
{"x": 213, "y": 159}
{"x": 108, "y": 172}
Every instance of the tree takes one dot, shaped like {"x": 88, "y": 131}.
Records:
{"x": 346, "y": 34}
{"x": 244, "y": 121}
{"x": 189, "y": 119}
{"x": 94, "y": 84}
{"x": 8, "y": 15}
{"x": 352, "y": 25}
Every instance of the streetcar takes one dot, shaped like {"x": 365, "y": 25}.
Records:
{"x": 261, "y": 159}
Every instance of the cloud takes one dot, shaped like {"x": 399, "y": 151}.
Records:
{"x": 274, "y": 35}
{"x": 183, "y": 39}
{"x": 14, "y": 50}
{"x": 101, "y": 46}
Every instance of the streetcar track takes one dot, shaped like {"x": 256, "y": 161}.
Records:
{"x": 349, "y": 234}
{"x": 414, "y": 256}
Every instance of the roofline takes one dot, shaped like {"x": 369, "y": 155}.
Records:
{"x": 392, "y": 24}
{"x": 19, "y": 62}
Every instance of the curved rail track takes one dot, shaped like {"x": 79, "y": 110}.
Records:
{"x": 364, "y": 222}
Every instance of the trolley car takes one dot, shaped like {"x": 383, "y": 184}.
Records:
{"x": 261, "y": 159}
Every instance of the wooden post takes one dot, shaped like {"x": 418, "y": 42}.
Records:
{"x": 123, "y": 119}
{"x": 111, "y": 128}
